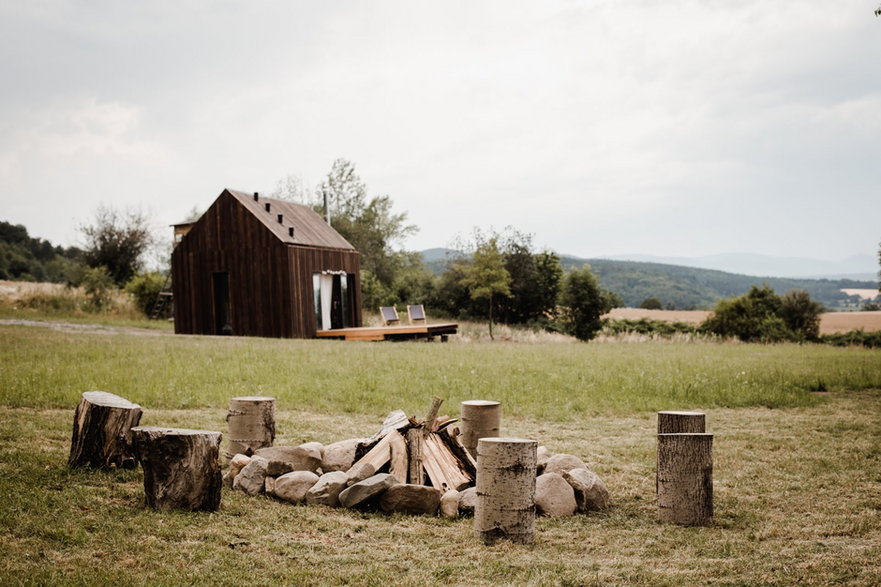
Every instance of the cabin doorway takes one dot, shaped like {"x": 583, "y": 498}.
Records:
{"x": 222, "y": 314}
{"x": 333, "y": 297}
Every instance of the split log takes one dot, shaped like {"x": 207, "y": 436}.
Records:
{"x": 428, "y": 426}
{"x": 415, "y": 471}
{"x": 466, "y": 461}
{"x": 441, "y": 465}
{"x": 398, "y": 456}
{"x": 102, "y": 426}
{"x": 505, "y": 490}
{"x": 480, "y": 419}
{"x": 251, "y": 424}
{"x": 379, "y": 455}
{"x": 685, "y": 479}
{"x": 181, "y": 467}
{"x": 681, "y": 422}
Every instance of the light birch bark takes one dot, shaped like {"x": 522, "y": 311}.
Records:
{"x": 505, "y": 490}
{"x": 251, "y": 421}
{"x": 681, "y": 422}
{"x": 479, "y": 419}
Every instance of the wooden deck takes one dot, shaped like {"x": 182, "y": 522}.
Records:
{"x": 403, "y": 332}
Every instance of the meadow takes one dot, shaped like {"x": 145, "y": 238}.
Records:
{"x": 797, "y": 460}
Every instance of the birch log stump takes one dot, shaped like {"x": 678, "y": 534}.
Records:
{"x": 251, "y": 421}
{"x": 505, "y": 490}
{"x": 685, "y": 479}
{"x": 102, "y": 426}
{"x": 479, "y": 419}
{"x": 181, "y": 467}
{"x": 681, "y": 422}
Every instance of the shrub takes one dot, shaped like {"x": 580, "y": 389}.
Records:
{"x": 763, "y": 316}
{"x": 145, "y": 290}
{"x": 582, "y": 302}
{"x": 99, "y": 288}
{"x": 651, "y": 304}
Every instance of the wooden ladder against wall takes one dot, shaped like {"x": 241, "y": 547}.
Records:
{"x": 163, "y": 299}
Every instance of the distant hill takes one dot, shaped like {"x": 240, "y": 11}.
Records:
{"x": 24, "y": 258}
{"x": 693, "y": 288}
{"x": 686, "y": 287}
{"x": 858, "y": 267}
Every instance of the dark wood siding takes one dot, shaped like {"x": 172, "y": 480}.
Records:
{"x": 270, "y": 282}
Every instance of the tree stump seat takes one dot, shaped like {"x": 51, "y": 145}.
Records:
{"x": 181, "y": 467}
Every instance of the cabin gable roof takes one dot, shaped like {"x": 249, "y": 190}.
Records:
{"x": 310, "y": 229}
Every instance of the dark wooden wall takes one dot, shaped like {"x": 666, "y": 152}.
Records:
{"x": 270, "y": 283}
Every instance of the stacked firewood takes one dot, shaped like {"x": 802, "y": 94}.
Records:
{"x": 408, "y": 466}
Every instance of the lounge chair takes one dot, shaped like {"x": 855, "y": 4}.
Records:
{"x": 389, "y": 315}
{"x": 416, "y": 314}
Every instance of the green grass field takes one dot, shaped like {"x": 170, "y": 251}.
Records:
{"x": 797, "y": 473}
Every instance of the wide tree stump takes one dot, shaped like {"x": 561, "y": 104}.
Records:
{"x": 102, "y": 426}
{"x": 681, "y": 422}
{"x": 478, "y": 419}
{"x": 251, "y": 422}
{"x": 505, "y": 490}
{"x": 181, "y": 467}
{"x": 685, "y": 479}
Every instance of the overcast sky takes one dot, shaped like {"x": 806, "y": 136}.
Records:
{"x": 679, "y": 128}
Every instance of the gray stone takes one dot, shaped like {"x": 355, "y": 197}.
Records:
{"x": 316, "y": 449}
{"x": 562, "y": 462}
{"x": 360, "y": 473}
{"x": 251, "y": 479}
{"x": 411, "y": 499}
{"x": 541, "y": 459}
{"x": 269, "y": 485}
{"x": 468, "y": 501}
{"x": 449, "y": 504}
{"x": 235, "y": 465}
{"x": 366, "y": 490}
{"x": 554, "y": 496}
{"x": 293, "y": 486}
{"x": 284, "y": 459}
{"x": 327, "y": 489}
{"x": 339, "y": 456}
{"x": 591, "y": 493}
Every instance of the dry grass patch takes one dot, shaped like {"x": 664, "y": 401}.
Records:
{"x": 837, "y": 322}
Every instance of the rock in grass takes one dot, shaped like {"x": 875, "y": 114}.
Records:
{"x": 252, "y": 478}
{"x": 591, "y": 493}
{"x": 554, "y": 496}
{"x": 467, "y": 501}
{"x": 541, "y": 459}
{"x": 327, "y": 489}
{"x": 449, "y": 504}
{"x": 235, "y": 466}
{"x": 365, "y": 490}
{"x": 284, "y": 459}
{"x": 292, "y": 487}
{"x": 316, "y": 449}
{"x": 339, "y": 456}
{"x": 562, "y": 462}
{"x": 407, "y": 498}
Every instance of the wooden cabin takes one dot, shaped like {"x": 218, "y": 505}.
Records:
{"x": 255, "y": 266}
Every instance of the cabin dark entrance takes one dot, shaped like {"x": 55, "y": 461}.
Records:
{"x": 333, "y": 298}
{"x": 222, "y": 314}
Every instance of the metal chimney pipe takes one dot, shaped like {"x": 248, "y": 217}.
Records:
{"x": 256, "y": 195}
{"x": 291, "y": 231}
{"x": 281, "y": 219}
{"x": 326, "y": 209}
{"x": 267, "y": 206}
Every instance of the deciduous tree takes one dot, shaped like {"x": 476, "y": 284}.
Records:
{"x": 117, "y": 241}
{"x": 486, "y": 276}
{"x": 582, "y": 303}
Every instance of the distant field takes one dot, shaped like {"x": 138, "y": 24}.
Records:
{"x": 866, "y": 294}
{"x": 830, "y": 323}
